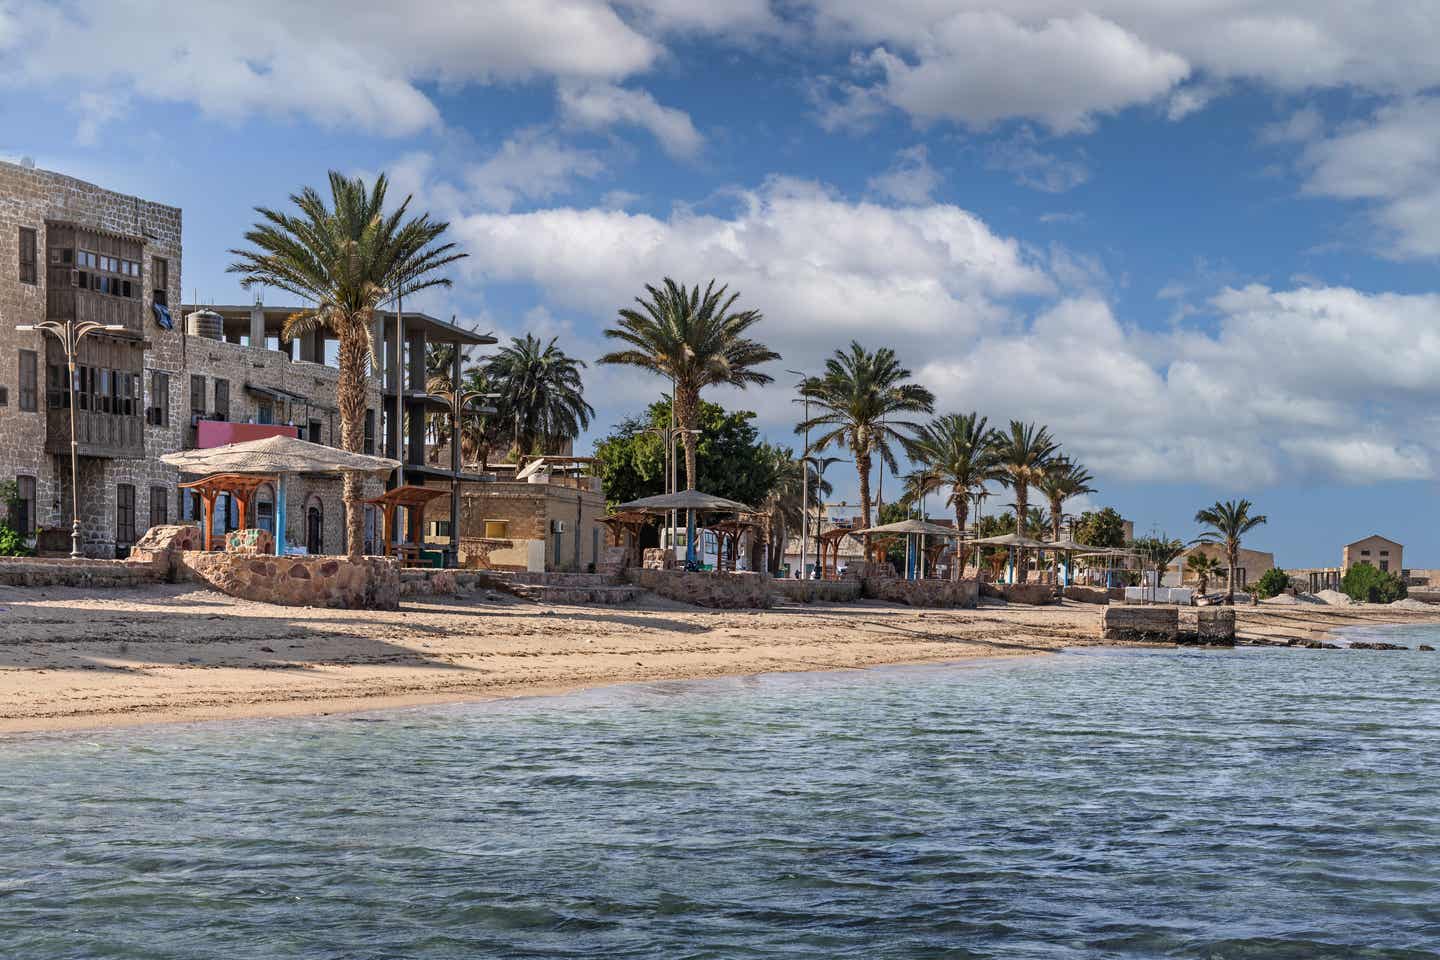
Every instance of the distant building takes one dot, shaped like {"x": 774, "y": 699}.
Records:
{"x": 1250, "y": 564}
{"x": 542, "y": 516}
{"x": 1385, "y": 554}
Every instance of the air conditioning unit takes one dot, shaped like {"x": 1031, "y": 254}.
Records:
{"x": 557, "y": 526}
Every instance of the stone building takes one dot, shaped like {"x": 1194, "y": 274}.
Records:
{"x": 1386, "y": 555}
{"x": 545, "y": 517}
{"x": 1250, "y": 565}
{"x": 70, "y": 249}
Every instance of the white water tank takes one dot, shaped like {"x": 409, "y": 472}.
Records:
{"x": 205, "y": 323}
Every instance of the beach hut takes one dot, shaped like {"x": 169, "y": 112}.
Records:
{"x": 690, "y": 501}
{"x": 279, "y": 457}
{"x": 1012, "y": 542}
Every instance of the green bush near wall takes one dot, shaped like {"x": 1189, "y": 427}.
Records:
{"x": 1369, "y": 584}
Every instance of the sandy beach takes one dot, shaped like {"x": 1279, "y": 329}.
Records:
{"x": 72, "y": 659}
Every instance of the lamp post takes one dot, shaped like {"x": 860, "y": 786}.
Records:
{"x": 804, "y": 474}
{"x": 70, "y": 333}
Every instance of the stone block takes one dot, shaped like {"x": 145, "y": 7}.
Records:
{"x": 1140, "y": 624}
{"x": 1098, "y": 595}
{"x": 1032, "y": 594}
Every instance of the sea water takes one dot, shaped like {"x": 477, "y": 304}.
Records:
{"x": 1255, "y": 803}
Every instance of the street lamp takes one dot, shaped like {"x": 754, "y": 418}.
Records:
{"x": 70, "y": 333}
{"x": 804, "y": 473}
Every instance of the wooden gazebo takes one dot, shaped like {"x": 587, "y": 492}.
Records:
{"x": 414, "y": 499}
{"x": 625, "y": 528}
{"x": 240, "y": 486}
{"x": 829, "y": 542}
{"x": 729, "y": 532}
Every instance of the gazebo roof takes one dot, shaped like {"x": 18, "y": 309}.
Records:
{"x": 904, "y": 527}
{"x": 244, "y": 484}
{"x": 1015, "y": 540}
{"x": 275, "y": 455}
{"x": 685, "y": 500}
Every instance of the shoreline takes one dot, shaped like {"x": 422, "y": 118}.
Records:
{"x": 72, "y": 661}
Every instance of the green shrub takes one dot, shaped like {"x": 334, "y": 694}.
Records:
{"x": 11, "y": 543}
{"x": 1272, "y": 583}
{"x": 1368, "y": 584}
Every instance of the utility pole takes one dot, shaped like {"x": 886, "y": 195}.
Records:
{"x": 804, "y": 476}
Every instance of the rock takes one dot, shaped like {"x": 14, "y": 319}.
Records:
{"x": 1369, "y": 645}
{"x": 1426, "y": 647}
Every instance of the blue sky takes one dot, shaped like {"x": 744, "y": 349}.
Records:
{"x": 1197, "y": 238}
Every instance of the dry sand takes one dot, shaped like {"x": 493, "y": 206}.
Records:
{"x": 72, "y": 659}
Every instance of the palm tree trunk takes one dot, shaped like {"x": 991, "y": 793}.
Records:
{"x": 354, "y": 355}
{"x": 687, "y": 409}
{"x": 1022, "y": 507}
{"x": 862, "y": 468}
{"x": 1232, "y": 555}
{"x": 961, "y": 508}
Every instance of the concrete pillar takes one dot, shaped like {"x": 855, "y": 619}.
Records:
{"x": 257, "y": 326}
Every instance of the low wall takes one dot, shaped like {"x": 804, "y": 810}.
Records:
{"x": 1140, "y": 624}
{"x": 1087, "y": 594}
{"x": 1033, "y": 594}
{"x": 729, "y": 591}
{"x": 320, "y": 581}
{"x": 924, "y": 593}
{"x": 817, "y": 591}
{"x": 93, "y": 574}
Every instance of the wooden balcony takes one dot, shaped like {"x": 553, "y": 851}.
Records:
{"x": 67, "y": 303}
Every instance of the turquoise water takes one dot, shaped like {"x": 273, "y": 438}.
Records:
{"x": 1250, "y": 804}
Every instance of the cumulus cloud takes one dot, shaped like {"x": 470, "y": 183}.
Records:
{"x": 530, "y": 166}
{"x": 337, "y": 62}
{"x": 1392, "y": 161}
{"x": 910, "y": 179}
{"x": 596, "y": 106}
{"x": 1033, "y": 167}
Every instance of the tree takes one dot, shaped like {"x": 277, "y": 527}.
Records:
{"x": 1368, "y": 584}
{"x": 1025, "y": 454}
{"x": 1064, "y": 479}
{"x": 345, "y": 259}
{"x": 542, "y": 396}
{"x": 731, "y": 461}
{"x": 860, "y": 396}
{"x": 1101, "y": 528}
{"x": 1226, "y": 524}
{"x": 1158, "y": 553}
{"x": 958, "y": 452}
{"x": 697, "y": 341}
{"x": 783, "y": 506}
{"x": 1203, "y": 567}
{"x": 1272, "y": 583}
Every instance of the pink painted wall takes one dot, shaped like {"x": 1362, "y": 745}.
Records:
{"x": 217, "y": 433}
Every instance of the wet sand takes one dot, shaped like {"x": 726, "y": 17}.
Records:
{"x": 72, "y": 659}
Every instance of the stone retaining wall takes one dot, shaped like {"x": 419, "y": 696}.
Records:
{"x": 1087, "y": 594}
{"x": 1140, "y": 624}
{"x": 1032, "y": 594}
{"x": 1207, "y": 626}
{"x": 817, "y": 591}
{"x": 924, "y": 593}
{"x": 730, "y": 591}
{"x": 64, "y": 572}
{"x": 319, "y": 581}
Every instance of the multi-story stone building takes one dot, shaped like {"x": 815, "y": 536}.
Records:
{"x": 73, "y": 250}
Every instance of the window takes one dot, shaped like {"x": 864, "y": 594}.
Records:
{"x": 264, "y": 412}
{"x": 370, "y": 432}
{"x": 159, "y": 506}
{"x": 159, "y": 411}
{"x": 197, "y": 397}
{"x": 1384, "y": 566}
{"x": 312, "y": 432}
{"x": 1364, "y": 553}
{"x": 28, "y": 387}
{"x": 4, "y": 396}
{"x": 28, "y": 273}
{"x": 222, "y": 399}
{"x": 160, "y": 280}
{"x": 497, "y": 529}
{"x": 25, "y": 521}
{"x": 124, "y": 514}
{"x": 1384, "y": 553}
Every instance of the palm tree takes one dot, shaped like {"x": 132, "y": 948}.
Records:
{"x": 698, "y": 341}
{"x": 346, "y": 259}
{"x": 783, "y": 508}
{"x": 541, "y": 394}
{"x": 1064, "y": 479}
{"x": 959, "y": 452}
{"x": 1228, "y": 522}
{"x": 1159, "y": 552}
{"x": 1025, "y": 454}
{"x": 860, "y": 395}
{"x": 1203, "y": 567}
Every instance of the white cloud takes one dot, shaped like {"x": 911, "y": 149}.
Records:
{"x": 596, "y": 106}
{"x": 1034, "y": 168}
{"x": 1302, "y": 126}
{"x": 910, "y": 179}
{"x": 530, "y": 166}
{"x": 1392, "y": 161}
{"x": 342, "y": 63}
